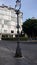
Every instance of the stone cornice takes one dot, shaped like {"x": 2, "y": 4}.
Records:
{"x": 9, "y": 8}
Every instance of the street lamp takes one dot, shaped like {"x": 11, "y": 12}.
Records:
{"x": 18, "y": 49}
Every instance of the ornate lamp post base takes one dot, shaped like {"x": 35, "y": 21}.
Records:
{"x": 18, "y": 51}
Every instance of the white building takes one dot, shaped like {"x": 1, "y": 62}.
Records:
{"x": 8, "y": 20}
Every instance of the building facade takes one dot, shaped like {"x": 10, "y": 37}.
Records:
{"x": 8, "y": 21}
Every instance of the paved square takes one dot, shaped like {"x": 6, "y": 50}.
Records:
{"x": 7, "y": 52}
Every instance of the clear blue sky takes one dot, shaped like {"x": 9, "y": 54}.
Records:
{"x": 28, "y": 7}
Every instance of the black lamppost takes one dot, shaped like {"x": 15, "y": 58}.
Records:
{"x": 18, "y": 49}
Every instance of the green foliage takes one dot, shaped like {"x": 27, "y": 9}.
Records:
{"x": 30, "y": 27}
{"x": 23, "y": 38}
{"x": 5, "y": 37}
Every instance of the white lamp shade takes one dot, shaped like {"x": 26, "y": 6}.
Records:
{"x": 18, "y": 4}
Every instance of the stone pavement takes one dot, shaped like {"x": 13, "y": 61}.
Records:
{"x": 7, "y": 52}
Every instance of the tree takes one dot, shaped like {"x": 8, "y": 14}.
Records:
{"x": 30, "y": 27}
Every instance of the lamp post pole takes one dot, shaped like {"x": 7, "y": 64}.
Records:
{"x": 18, "y": 49}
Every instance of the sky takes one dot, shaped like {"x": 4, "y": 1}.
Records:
{"x": 28, "y": 7}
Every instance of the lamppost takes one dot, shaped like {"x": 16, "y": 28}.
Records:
{"x": 18, "y": 49}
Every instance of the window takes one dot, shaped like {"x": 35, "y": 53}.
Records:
{"x": 5, "y": 31}
{"x": 12, "y": 31}
{"x": 0, "y": 21}
{"x": 1, "y": 11}
{"x": 2, "y": 25}
{"x": 4, "y": 12}
{"x": 6, "y": 22}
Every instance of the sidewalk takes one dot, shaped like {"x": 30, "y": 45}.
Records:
{"x": 29, "y": 41}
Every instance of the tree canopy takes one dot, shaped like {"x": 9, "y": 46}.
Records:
{"x": 30, "y": 27}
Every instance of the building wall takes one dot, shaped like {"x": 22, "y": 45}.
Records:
{"x": 8, "y": 20}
